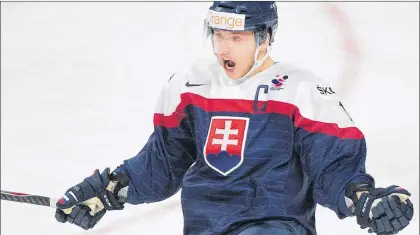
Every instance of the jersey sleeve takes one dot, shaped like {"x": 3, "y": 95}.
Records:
{"x": 156, "y": 172}
{"x": 331, "y": 147}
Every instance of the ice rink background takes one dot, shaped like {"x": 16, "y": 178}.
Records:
{"x": 79, "y": 82}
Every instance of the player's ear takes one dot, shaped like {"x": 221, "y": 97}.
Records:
{"x": 265, "y": 45}
{"x": 266, "y": 42}
{"x": 267, "y": 39}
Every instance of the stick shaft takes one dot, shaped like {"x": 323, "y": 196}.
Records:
{"x": 28, "y": 198}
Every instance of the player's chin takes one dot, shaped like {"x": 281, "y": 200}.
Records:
{"x": 236, "y": 73}
{"x": 231, "y": 74}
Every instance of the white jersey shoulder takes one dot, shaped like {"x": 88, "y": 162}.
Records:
{"x": 313, "y": 96}
{"x": 290, "y": 80}
{"x": 197, "y": 75}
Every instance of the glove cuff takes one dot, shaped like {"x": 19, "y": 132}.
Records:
{"x": 109, "y": 196}
{"x": 351, "y": 194}
{"x": 120, "y": 181}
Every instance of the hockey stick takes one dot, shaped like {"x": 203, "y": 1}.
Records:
{"x": 28, "y": 198}
{"x": 94, "y": 204}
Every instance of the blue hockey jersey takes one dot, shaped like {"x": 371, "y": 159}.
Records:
{"x": 268, "y": 147}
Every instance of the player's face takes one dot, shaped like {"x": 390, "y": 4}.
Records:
{"x": 236, "y": 51}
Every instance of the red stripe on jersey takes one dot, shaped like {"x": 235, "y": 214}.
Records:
{"x": 170, "y": 121}
{"x": 247, "y": 106}
{"x": 326, "y": 128}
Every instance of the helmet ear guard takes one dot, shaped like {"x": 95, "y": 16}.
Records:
{"x": 261, "y": 34}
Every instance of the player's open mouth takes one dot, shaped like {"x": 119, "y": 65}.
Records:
{"x": 229, "y": 65}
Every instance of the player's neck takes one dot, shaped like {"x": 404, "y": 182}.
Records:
{"x": 265, "y": 65}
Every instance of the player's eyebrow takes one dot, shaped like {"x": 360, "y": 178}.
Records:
{"x": 234, "y": 32}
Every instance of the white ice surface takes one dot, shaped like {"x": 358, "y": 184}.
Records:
{"x": 79, "y": 82}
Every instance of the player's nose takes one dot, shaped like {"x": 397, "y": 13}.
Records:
{"x": 224, "y": 50}
{"x": 224, "y": 47}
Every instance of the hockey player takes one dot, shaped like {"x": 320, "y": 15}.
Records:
{"x": 254, "y": 144}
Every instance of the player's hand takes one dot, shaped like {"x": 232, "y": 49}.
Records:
{"x": 87, "y": 202}
{"x": 384, "y": 210}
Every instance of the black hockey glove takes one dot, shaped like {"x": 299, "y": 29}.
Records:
{"x": 87, "y": 202}
{"x": 382, "y": 210}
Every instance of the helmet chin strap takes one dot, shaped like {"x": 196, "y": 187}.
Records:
{"x": 256, "y": 62}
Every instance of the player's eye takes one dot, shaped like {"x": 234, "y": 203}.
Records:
{"x": 218, "y": 35}
{"x": 236, "y": 38}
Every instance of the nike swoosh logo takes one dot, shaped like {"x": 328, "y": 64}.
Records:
{"x": 188, "y": 84}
